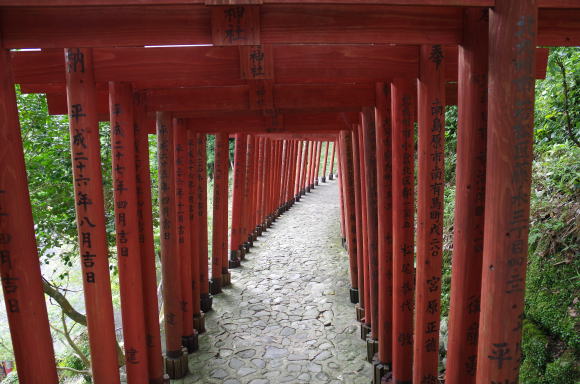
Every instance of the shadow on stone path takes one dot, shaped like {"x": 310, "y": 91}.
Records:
{"x": 287, "y": 317}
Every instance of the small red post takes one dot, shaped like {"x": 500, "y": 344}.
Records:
{"x": 175, "y": 358}
{"x": 90, "y": 212}
{"x": 182, "y": 210}
{"x": 325, "y": 162}
{"x": 148, "y": 267}
{"x": 430, "y": 195}
{"x": 19, "y": 263}
{"x": 331, "y": 174}
{"x": 470, "y": 199}
{"x": 385, "y": 228}
{"x": 127, "y": 230}
{"x": 403, "y": 101}
{"x": 513, "y": 29}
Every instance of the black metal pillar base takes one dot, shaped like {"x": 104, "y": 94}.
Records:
{"x": 360, "y": 312}
{"x": 206, "y": 302}
{"x": 248, "y": 245}
{"x": 190, "y": 342}
{"x": 365, "y": 330}
{"x": 176, "y": 364}
{"x": 354, "y": 295}
{"x": 199, "y": 322}
{"x": 234, "y": 261}
{"x": 215, "y": 286}
{"x": 226, "y": 278}
{"x": 331, "y": 177}
{"x": 372, "y": 349}
{"x": 242, "y": 252}
{"x": 381, "y": 372}
{"x": 316, "y": 182}
{"x": 324, "y": 179}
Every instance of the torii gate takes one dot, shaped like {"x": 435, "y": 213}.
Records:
{"x": 270, "y": 86}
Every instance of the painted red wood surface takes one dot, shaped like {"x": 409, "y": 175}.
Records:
{"x": 90, "y": 213}
{"x": 370, "y": 176}
{"x": 193, "y": 176}
{"x": 146, "y": 246}
{"x": 183, "y": 226}
{"x": 201, "y": 212}
{"x": 469, "y": 201}
{"x": 403, "y": 102}
{"x": 19, "y": 263}
{"x": 365, "y": 228}
{"x": 236, "y": 237}
{"x": 173, "y": 319}
{"x": 247, "y": 207}
{"x": 332, "y": 157}
{"x": 127, "y": 231}
{"x": 220, "y": 207}
{"x": 325, "y": 159}
{"x": 341, "y": 198}
{"x": 358, "y": 215}
{"x": 430, "y": 195}
{"x": 385, "y": 220}
{"x": 513, "y": 31}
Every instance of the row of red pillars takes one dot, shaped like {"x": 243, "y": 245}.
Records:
{"x": 392, "y": 219}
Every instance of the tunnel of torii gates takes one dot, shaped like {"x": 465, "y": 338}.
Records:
{"x": 283, "y": 78}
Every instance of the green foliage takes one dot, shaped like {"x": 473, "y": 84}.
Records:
{"x": 12, "y": 378}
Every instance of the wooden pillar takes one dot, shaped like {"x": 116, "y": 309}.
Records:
{"x": 195, "y": 230}
{"x": 330, "y": 174}
{"x": 90, "y": 212}
{"x": 370, "y": 167}
{"x": 182, "y": 210}
{"x": 512, "y": 41}
{"x": 220, "y": 213}
{"x": 403, "y": 99}
{"x": 238, "y": 201}
{"x": 248, "y": 206}
{"x": 431, "y": 179}
{"x": 303, "y": 178}
{"x": 366, "y": 326}
{"x": 300, "y": 166}
{"x": 385, "y": 227}
{"x": 325, "y": 161}
{"x": 469, "y": 200}
{"x": 317, "y": 162}
{"x": 175, "y": 357}
{"x": 346, "y": 154}
{"x": 206, "y": 299}
{"x": 341, "y": 197}
{"x": 19, "y": 264}
{"x": 127, "y": 230}
{"x": 146, "y": 244}
{"x": 360, "y": 307}
{"x": 258, "y": 165}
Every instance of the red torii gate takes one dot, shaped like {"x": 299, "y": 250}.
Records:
{"x": 515, "y": 28}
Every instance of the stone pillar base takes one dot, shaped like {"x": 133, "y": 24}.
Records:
{"x": 331, "y": 177}
{"x": 190, "y": 342}
{"x": 297, "y": 197}
{"x": 316, "y": 182}
{"x": 354, "y": 295}
{"x": 324, "y": 179}
{"x": 176, "y": 367}
{"x": 381, "y": 372}
{"x": 308, "y": 188}
{"x": 360, "y": 312}
{"x": 235, "y": 258}
{"x": 206, "y": 302}
{"x": 242, "y": 252}
{"x": 372, "y": 349}
{"x": 365, "y": 330}
{"x": 215, "y": 286}
{"x": 199, "y": 322}
{"x": 226, "y": 279}
{"x": 248, "y": 244}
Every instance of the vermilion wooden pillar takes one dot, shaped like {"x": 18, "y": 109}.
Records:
{"x": 341, "y": 199}
{"x": 370, "y": 167}
{"x": 431, "y": 179}
{"x": 90, "y": 213}
{"x": 303, "y": 179}
{"x": 330, "y": 174}
{"x": 265, "y": 167}
{"x": 175, "y": 357}
{"x": 220, "y": 212}
{"x": 403, "y": 99}
{"x": 201, "y": 213}
{"x": 19, "y": 265}
{"x": 469, "y": 200}
{"x": 311, "y": 164}
{"x": 512, "y": 41}
{"x": 238, "y": 202}
{"x": 299, "y": 168}
{"x": 182, "y": 211}
{"x": 258, "y": 165}
{"x": 196, "y": 227}
{"x": 317, "y": 162}
{"x": 127, "y": 230}
{"x": 385, "y": 228}
{"x": 360, "y": 307}
{"x": 325, "y": 162}
{"x": 248, "y": 207}
{"x": 366, "y": 326}
{"x": 346, "y": 154}
{"x": 146, "y": 246}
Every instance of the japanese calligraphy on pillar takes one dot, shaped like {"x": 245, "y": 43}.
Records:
{"x": 235, "y": 25}
{"x": 9, "y": 278}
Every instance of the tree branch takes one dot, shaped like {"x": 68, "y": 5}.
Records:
{"x": 63, "y": 302}
{"x": 569, "y": 128}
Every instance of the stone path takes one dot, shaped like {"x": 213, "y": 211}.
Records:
{"x": 287, "y": 317}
